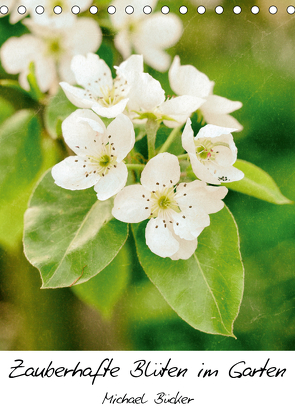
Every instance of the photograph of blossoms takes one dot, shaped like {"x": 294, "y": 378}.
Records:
{"x": 146, "y": 175}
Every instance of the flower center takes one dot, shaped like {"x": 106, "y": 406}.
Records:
{"x": 163, "y": 203}
{"x": 205, "y": 149}
{"x": 105, "y": 95}
{"x": 54, "y": 48}
{"x": 104, "y": 161}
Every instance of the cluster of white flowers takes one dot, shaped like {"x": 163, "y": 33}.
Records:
{"x": 55, "y": 39}
{"x": 177, "y": 212}
{"x": 63, "y": 48}
{"x": 51, "y": 45}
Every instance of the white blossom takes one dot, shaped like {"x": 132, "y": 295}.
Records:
{"x": 177, "y": 213}
{"x": 105, "y": 96}
{"x": 212, "y": 153}
{"x": 147, "y": 100}
{"x": 147, "y": 34}
{"x": 186, "y": 79}
{"x": 51, "y": 48}
{"x": 99, "y": 153}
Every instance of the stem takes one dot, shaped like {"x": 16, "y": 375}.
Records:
{"x": 182, "y": 156}
{"x": 135, "y": 166}
{"x": 151, "y": 129}
{"x": 170, "y": 139}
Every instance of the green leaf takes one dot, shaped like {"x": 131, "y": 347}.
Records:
{"x": 20, "y": 162}
{"x": 6, "y": 109}
{"x": 20, "y": 157}
{"x": 14, "y": 85}
{"x": 24, "y": 158}
{"x": 103, "y": 291}
{"x": 12, "y": 211}
{"x": 70, "y": 235}
{"x": 205, "y": 290}
{"x": 34, "y": 92}
{"x": 257, "y": 183}
{"x": 58, "y": 109}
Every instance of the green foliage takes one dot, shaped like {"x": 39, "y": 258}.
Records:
{"x": 70, "y": 234}
{"x": 104, "y": 290}
{"x": 205, "y": 290}
{"x": 58, "y": 108}
{"x": 20, "y": 162}
{"x": 257, "y": 183}
{"x": 6, "y": 109}
{"x": 34, "y": 92}
{"x": 21, "y": 156}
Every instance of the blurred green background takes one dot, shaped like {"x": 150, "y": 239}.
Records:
{"x": 251, "y": 59}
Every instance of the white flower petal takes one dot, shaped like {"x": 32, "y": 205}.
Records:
{"x": 186, "y": 79}
{"x": 131, "y": 205}
{"x": 186, "y": 249}
{"x": 162, "y": 170}
{"x": 77, "y": 96}
{"x": 215, "y": 111}
{"x": 220, "y": 105}
{"x": 188, "y": 224}
{"x": 72, "y": 175}
{"x": 130, "y": 67}
{"x": 148, "y": 91}
{"x": 225, "y": 174}
{"x": 161, "y": 31}
{"x": 120, "y": 132}
{"x": 182, "y": 105}
{"x": 112, "y": 182}
{"x": 122, "y": 43}
{"x": 15, "y": 16}
{"x": 226, "y": 156}
{"x": 121, "y": 18}
{"x": 222, "y": 120}
{"x": 97, "y": 126}
{"x": 155, "y": 34}
{"x": 111, "y": 111}
{"x": 64, "y": 69}
{"x": 80, "y": 136}
{"x": 83, "y": 37}
{"x": 23, "y": 81}
{"x": 91, "y": 72}
{"x": 210, "y": 198}
{"x": 130, "y": 70}
{"x": 160, "y": 239}
{"x": 205, "y": 171}
{"x": 17, "y": 53}
{"x": 200, "y": 196}
{"x": 178, "y": 120}
{"x": 154, "y": 57}
{"x": 45, "y": 71}
{"x": 188, "y": 138}
{"x": 212, "y": 131}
